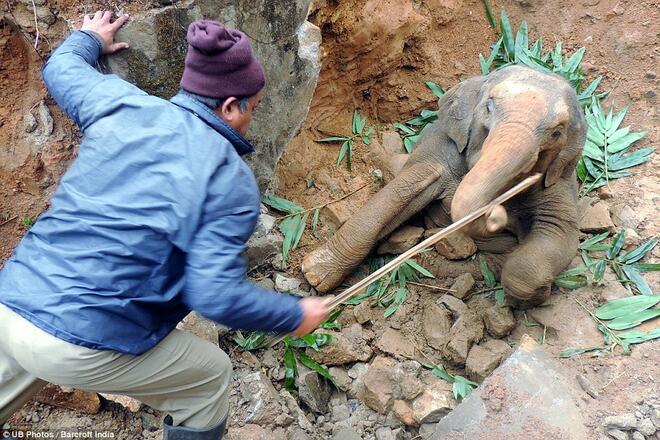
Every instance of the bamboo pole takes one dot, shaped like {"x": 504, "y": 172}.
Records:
{"x": 362, "y": 284}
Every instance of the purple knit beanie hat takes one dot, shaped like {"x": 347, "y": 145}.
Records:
{"x": 219, "y": 62}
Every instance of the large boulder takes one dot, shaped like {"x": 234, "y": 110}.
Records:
{"x": 287, "y": 45}
{"x": 529, "y": 396}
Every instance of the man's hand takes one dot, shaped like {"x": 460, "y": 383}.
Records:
{"x": 101, "y": 26}
{"x": 315, "y": 311}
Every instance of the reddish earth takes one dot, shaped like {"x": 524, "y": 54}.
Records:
{"x": 377, "y": 56}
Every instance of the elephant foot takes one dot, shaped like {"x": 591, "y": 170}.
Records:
{"x": 322, "y": 270}
{"x": 524, "y": 301}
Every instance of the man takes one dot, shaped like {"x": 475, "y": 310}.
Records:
{"x": 149, "y": 223}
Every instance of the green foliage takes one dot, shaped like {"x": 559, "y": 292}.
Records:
{"x": 391, "y": 290}
{"x": 572, "y": 278}
{"x": 27, "y": 222}
{"x": 597, "y": 256}
{"x": 622, "y": 314}
{"x": 490, "y": 281}
{"x": 461, "y": 386}
{"x": 294, "y": 350}
{"x": 412, "y": 129}
{"x": 293, "y": 225}
{"x": 348, "y": 142}
{"x": 604, "y": 155}
{"x": 490, "y": 15}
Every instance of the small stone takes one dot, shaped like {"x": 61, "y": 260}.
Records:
{"x": 405, "y": 384}
{"x": 378, "y": 390}
{"x": 484, "y": 358}
{"x": 347, "y": 346}
{"x": 638, "y": 436}
{"x": 462, "y": 286}
{"x": 251, "y": 431}
{"x": 433, "y": 403}
{"x": 587, "y": 386}
{"x": 499, "y": 320}
{"x": 341, "y": 378}
{"x": 625, "y": 216}
{"x": 263, "y": 249}
{"x": 596, "y": 218}
{"x": 625, "y": 422}
{"x": 466, "y": 331}
{"x": 362, "y": 312}
{"x": 454, "y": 305}
{"x": 456, "y": 246}
{"x": 646, "y": 427}
{"x": 287, "y": 284}
{"x": 29, "y": 123}
{"x": 313, "y": 390}
{"x": 84, "y": 401}
{"x": 436, "y": 323}
{"x": 299, "y": 434}
{"x": 264, "y": 403}
{"x": 358, "y": 370}
{"x": 401, "y": 240}
{"x": 385, "y": 433}
{"x": 394, "y": 343}
{"x": 199, "y": 326}
{"x": 618, "y": 435}
{"x": 266, "y": 283}
{"x": 345, "y": 434}
{"x": 265, "y": 225}
{"x": 404, "y": 413}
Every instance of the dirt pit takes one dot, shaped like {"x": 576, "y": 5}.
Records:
{"x": 377, "y": 57}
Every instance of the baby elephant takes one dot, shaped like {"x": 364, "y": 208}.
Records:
{"x": 492, "y": 131}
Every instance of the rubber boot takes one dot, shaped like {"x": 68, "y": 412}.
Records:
{"x": 183, "y": 433}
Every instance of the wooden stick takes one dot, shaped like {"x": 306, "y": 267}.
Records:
{"x": 361, "y": 285}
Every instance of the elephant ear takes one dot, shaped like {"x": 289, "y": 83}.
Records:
{"x": 456, "y": 108}
{"x": 564, "y": 164}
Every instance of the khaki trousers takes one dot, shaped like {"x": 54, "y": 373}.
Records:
{"x": 183, "y": 375}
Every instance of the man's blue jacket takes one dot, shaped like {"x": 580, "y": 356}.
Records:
{"x": 148, "y": 223}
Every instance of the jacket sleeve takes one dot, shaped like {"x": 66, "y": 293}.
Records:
{"x": 73, "y": 81}
{"x": 216, "y": 285}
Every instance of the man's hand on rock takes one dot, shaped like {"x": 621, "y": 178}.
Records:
{"x": 315, "y": 311}
{"x": 100, "y": 25}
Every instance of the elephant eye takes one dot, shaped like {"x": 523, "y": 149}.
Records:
{"x": 489, "y": 106}
{"x": 556, "y": 134}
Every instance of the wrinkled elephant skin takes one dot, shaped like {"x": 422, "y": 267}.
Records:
{"x": 492, "y": 131}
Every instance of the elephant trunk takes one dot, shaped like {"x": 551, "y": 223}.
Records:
{"x": 509, "y": 151}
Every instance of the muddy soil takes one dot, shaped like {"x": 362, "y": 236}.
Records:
{"x": 378, "y": 54}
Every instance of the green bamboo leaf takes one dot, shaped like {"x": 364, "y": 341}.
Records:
{"x": 299, "y": 232}
{"x": 589, "y": 91}
{"x": 281, "y": 204}
{"x": 360, "y": 123}
{"x": 499, "y": 296}
{"x": 289, "y": 228}
{"x": 419, "y": 268}
{"x": 437, "y": 90}
{"x": 625, "y": 306}
{"x": 252, "y": 341}
{"x": 315, "y": 366}
{"x": 595, "y": 135}
{"x": 571, "y": 282}
{"x": 592, "y": 151}
{"x": 617, "y": 244}
{"x": 334, "y": 139}
{"x": 462, "y": 387}
{"x": 349, "y": 156}
{"x": 366, "y": 140}
{"x": 618, "y": 135}
{"x": 489, "y": 276}
{"x": 625, "y": 142}
{"x": 315, "y": 219}
{"x": 290, "y": 369}
{"x": 576, "y": 351}
{"x": 616, "y": 122}
{"x": 593, "y": 240}
{"x": 399, "y": 298}
{"x": 599, "y": 270}
{"x": 521, "y": 43}
{"x": 404, "y": 128}
{"x": 647, "y": 267}
{"x": 409, "y": 142}
{"x": 636, "y": 337}
{"x": 489, "y": 15}
{"x": 556, "y": 57}
{"x": 588, "y": 261}
{"x": 595, "y": 171}
{"x": 356, "y": 119}
{"x": 634, "y": 276}
{"x": 630, "y": 160}
{"x": 581, "y": 170}
{"x": 369, "y": 131}
{"x": 608, "y": 120}
{"x": 440, "y": 372}
{"x": 598, "y": 247}
{"x": 485, "y": 67}
{"x": 573, "y": 62}
{"x": 507, "y": 35}
{"x": 633, "y": 319}
{"x": 638, "y": 253}
{"x": 342, "y": 152}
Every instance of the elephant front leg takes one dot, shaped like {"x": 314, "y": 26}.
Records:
{"x": 415, "y": 187}
{"x": 547, "y": 249}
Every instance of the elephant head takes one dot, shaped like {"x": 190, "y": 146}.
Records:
{"x": 491, "y": 132}
{"x": 522, "y": 121}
